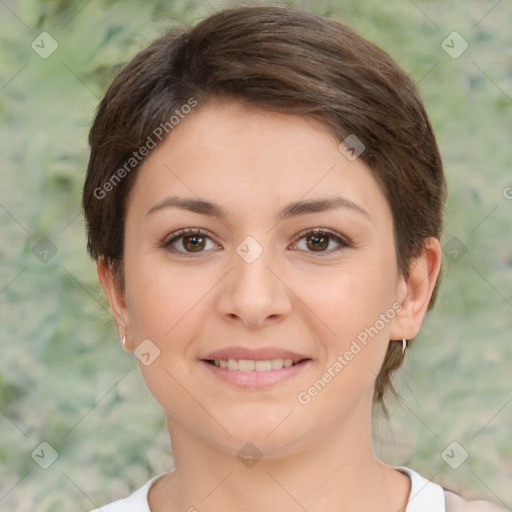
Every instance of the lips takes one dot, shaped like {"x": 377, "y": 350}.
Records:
{"x": 254, "y": 368}
{"x": 250, "y": 378}
{"x": 255, "y": 354}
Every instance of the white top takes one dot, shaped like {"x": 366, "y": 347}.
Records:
{"x": 425, "y": 496}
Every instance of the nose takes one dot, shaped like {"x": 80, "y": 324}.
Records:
{"x": 254, "y": 293}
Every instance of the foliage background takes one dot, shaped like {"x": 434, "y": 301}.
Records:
{"x": 64, "y": 378}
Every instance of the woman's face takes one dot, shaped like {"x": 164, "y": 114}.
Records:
{"x": 254, "y": 285}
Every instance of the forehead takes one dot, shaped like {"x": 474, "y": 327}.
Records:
{"x": 253, "y": 160}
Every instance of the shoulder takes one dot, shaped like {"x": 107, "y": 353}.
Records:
{"x": 456, "y": 503}
{"x": 129, "y": 504}
{"x": 136, "y": 502}
{"x": 426, "y": 495}
{"x": 123, "y": 505}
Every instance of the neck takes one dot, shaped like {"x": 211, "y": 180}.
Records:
{"x": 338, "y": 472}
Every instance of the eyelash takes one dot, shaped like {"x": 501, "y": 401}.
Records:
{"x": 167, "y": 243}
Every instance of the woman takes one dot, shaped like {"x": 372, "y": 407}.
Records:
{"x": 264, "y": 200}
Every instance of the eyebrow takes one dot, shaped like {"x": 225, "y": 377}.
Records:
{"x": 290, "y": 210}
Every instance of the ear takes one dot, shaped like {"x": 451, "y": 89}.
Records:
{"x": 415, "y": 291}
{"x": 115, "y": 295}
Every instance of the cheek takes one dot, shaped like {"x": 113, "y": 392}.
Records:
{"x": 161, "y": 305}
{"x": 352, "y": 298}
{"x": 170, "y": 305}
{"x": 152, "y": 304}
{"x": 354, "y": 304}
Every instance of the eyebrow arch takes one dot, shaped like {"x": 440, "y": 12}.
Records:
{"x": 290, "y": 210}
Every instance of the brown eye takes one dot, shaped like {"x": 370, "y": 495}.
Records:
{"x": 187, "y": 241}
{"x": 194, "y": 243}
{"x": 318, "y": 241}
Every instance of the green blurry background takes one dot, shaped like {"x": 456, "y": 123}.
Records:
{"x": 64, "y": 378}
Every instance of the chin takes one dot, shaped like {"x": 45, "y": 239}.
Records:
{"x": 274, "y": 435}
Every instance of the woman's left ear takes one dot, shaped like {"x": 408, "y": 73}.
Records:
{"x": 415, "y": 291}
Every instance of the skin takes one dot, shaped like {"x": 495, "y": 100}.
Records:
{"x": 295, "y": 296}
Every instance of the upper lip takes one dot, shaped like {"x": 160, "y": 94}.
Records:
{"x": 255, "y": 354}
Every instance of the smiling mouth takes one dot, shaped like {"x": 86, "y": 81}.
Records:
{"x": 250, "y": 365}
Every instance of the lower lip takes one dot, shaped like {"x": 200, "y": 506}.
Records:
{"x": 254, "y": 379}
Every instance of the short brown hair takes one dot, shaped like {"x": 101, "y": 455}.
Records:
{"x": 285, "y": 60}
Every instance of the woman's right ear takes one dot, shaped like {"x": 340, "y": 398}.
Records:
{"x": 114, "y": 291}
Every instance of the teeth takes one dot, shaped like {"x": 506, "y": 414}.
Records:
{"x": 243, "y": 364}
{"x": 247, "y": 365}
{"x": 262, "y": 366}
{"x": 277, "y": 364}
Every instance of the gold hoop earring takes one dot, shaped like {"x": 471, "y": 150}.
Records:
{"x": 123, "y": 342}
